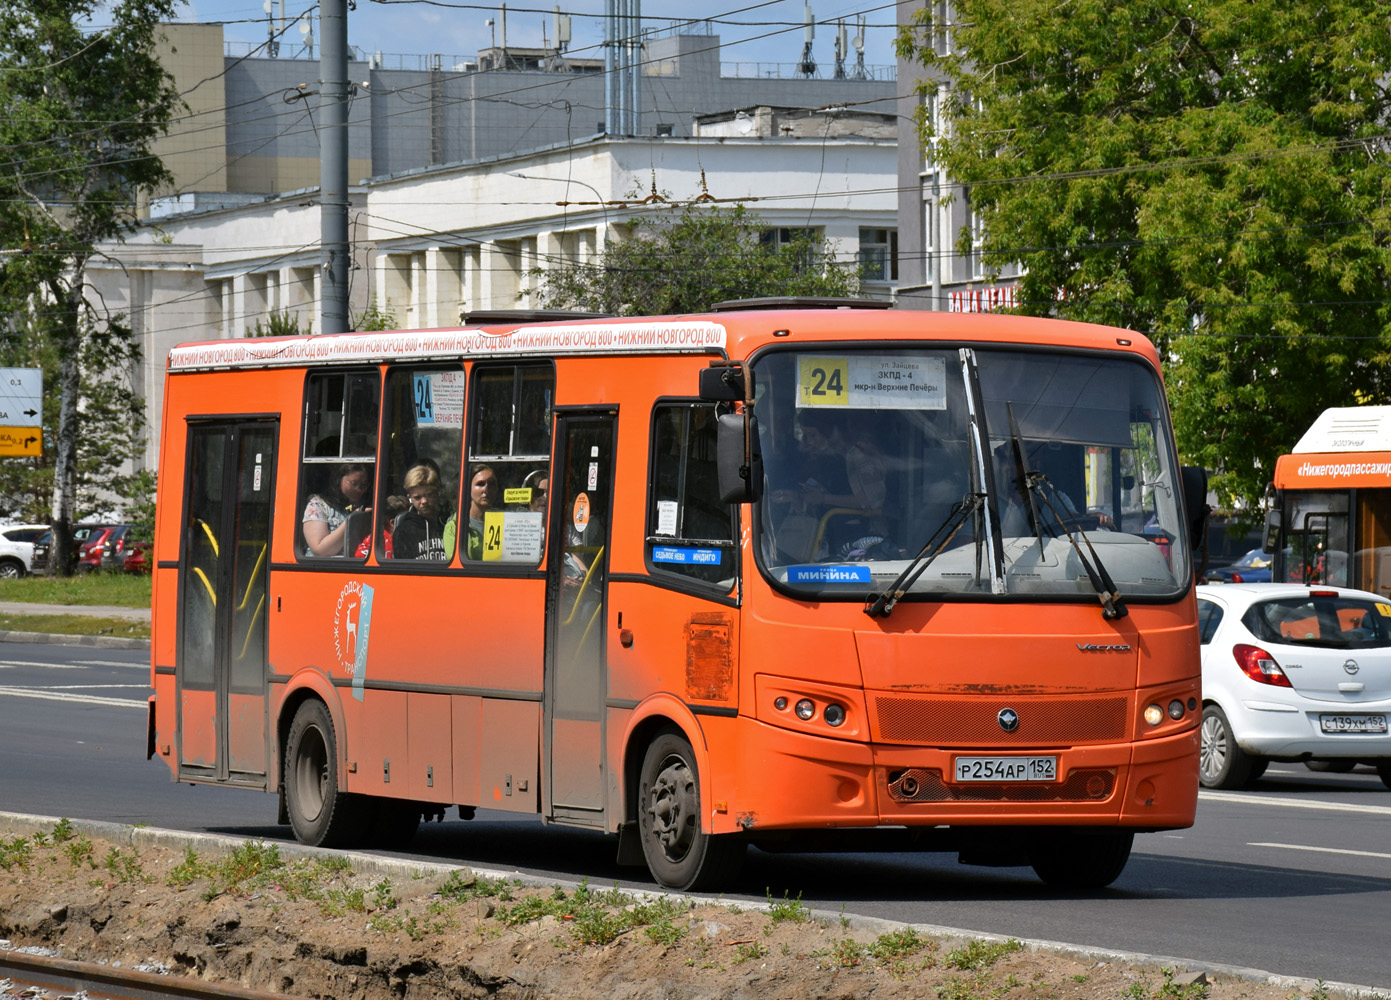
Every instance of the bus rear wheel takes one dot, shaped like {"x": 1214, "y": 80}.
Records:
{"x": 679, "y": 854}
{"x": 321, "y": 813}
{"x": 1073, "y": 859}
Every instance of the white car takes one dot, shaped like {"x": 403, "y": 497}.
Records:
{"x": 1293, "y": 672}
{"x": 17, "y": 549}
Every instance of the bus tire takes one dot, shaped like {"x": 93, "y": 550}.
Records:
{"x": 1221, "y": 763}
{"x": 321, "y": 813}
{"x": 1072, "y": 859}
{"x": 679, "y": 855}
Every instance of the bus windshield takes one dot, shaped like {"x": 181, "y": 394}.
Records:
{"x": 988, "y": 473}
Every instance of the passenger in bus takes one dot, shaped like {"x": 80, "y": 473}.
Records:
{"x": 485, "y": 494}
{"x": 325, "y": 520}
{"x": 418, "y": 533}
{"x": 539, "y": 482}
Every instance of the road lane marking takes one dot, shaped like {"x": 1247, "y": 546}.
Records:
{"x": 1267, "y": 800}
{"x": 1324, "y": 850}
{"x": 92, "y": 699}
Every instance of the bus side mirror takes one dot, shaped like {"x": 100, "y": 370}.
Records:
{"x": 722, "y": 383}
{"x": 1273, "y": 524}
{"x": 740, "y": 474}
{"x": 1195, "y": 507}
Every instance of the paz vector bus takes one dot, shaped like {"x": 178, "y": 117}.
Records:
{"x": 776, "y": 576}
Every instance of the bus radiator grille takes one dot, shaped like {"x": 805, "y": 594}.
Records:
{"x": 918, "y": 784}
{"x": 974, "y": 723}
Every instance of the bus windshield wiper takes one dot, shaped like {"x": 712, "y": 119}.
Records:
{"x": 883, "y": 605}
{"x": 1113, "y": 606}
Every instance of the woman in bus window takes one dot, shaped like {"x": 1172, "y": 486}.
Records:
{"x": 325, "y": 519}
{"x": 419, "y": 532}
{"x": 484, "y": 495}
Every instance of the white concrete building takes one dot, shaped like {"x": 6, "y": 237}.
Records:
{"x": 433, "y": 244}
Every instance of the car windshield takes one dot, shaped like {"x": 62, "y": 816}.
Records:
{"x": 1324, "y": 621}
{"x": 1009, "y": 472}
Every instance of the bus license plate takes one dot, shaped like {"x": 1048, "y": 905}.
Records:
{"x": 1006, "y": 769}
{"x": 1352, "y": 723}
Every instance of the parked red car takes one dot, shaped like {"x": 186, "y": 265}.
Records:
{"x": 105, "y": 548}
{"x": 137, "y": 556}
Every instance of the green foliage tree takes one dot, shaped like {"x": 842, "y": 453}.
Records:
{"x": 1212, "y": 174}
{"x": 79, "y": 111}
{"x": 375, "y": 317}
{"x": 678, "y": 261}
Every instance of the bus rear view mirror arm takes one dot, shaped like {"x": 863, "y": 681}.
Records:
{"x": 739, "y": 461}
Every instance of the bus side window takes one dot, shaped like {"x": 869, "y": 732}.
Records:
{"x": 423, "y": 433}
{"x": 339, "y": 460}
{"x": 689, "y": 530}
{"x": 509, "y": 442}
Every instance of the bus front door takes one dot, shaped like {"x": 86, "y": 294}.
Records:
{"x": 224, "y": 566}
{"x": 576, "y": 675}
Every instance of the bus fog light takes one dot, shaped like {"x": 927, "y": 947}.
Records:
{"x": 1154, "y": 715}
{"x": 1176, "y": 709}
{"x": 805, "y": 709}
{"x": 780, "y": 703}
{"x": 834, "y": 715}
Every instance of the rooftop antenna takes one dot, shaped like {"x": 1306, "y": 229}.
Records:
{"x": 562, "y": 30}
{"x": 859, "y": 42}
{"x": 307, "y": 35}
{"x": 841, "y": 49}
{"x": 807, "y": 67}
{"x": 272, "y": 42}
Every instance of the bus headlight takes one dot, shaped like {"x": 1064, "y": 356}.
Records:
{"x": 834, "y": 714}
{"x": 1154, "y": 715}
{"x": 805, "y": 709}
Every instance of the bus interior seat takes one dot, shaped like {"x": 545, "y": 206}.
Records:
{"x": 359, "y": 525}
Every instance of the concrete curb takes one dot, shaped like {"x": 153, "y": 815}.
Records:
{"x": 54, "y": 638}
{"x": 20, "y": 823}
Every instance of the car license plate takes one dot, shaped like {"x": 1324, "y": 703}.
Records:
{"x": 1006, "y": 769}
{"x": 1352, "y": 723}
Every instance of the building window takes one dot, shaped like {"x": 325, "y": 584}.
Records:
{"x": 879, "y": 254}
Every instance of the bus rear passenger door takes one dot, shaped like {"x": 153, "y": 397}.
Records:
{"x": 576, "y": 679}
{"x": 224, "y": 567}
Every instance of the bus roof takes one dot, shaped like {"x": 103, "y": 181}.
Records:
{"x": 732, "y": 334}
{"x": 1348, "y": 428}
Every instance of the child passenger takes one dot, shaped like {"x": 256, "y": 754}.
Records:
{"x": 419, "y": 532}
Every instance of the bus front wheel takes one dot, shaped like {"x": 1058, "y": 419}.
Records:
{"x": 1081, "y": 860}
{"x": 679, "y": 854}
{"x": 321, "y": 813}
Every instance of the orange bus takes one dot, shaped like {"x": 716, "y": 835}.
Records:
{"x": 1329, "y": 520}
{"x": 802, "y": 578}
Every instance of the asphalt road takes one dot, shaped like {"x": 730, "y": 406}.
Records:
{"x": 1292, "y": 877}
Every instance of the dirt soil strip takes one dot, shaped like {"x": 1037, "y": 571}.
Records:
{"x": 18, "y": 824}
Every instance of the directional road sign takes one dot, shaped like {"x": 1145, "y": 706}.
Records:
{"x": 21, "y": 411}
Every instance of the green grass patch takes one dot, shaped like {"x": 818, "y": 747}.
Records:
{"x": 124, "y": 628}
{"x": 980, "y": 954}
{"x": 124, "y": 590}
{"x": 787, "y": 910}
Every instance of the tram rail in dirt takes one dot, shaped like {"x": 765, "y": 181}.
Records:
{"x": 60, "y": 976}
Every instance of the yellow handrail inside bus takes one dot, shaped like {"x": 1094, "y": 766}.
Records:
{"x": 212, "y": 595}
{"x": 589, "y": 572}
{"x": 212, "y": 539}
{"x": 252, "y": 580}
{"x": 251, "y": 626}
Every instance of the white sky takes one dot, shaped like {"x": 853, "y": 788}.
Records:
{"x": 751, "y": 31}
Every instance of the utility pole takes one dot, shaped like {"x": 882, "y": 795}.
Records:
{"x": 333, "y": 166}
